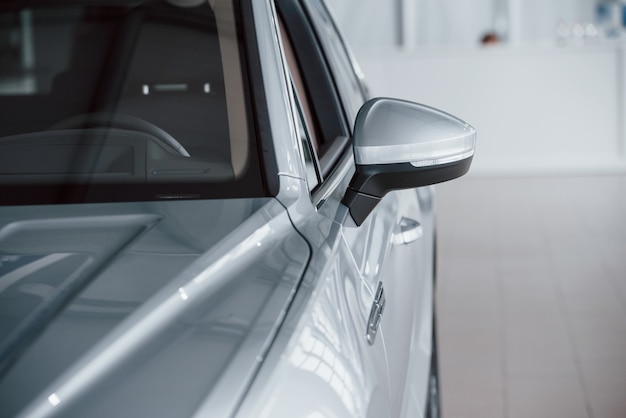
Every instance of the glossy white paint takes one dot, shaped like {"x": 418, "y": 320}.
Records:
{"x": 322, "y": 350}
{"x": 142, "y": 332}
{"x": 321, "y": 363}
{"x": 391, "y": 131}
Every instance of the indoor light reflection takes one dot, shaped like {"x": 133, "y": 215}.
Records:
{"x": 242, "y": 250}
{"x": 319, "y": 352}
{"x": 183, "y": 294}
{"x": 54, "y": 399}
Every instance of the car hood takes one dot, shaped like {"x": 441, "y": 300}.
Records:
{"x": 140, "y": 309}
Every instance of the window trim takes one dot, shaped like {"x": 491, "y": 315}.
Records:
{"x": 346, "y": 102}
{"x": 338, "y": 174}
{"x": 325, "y": 101}
{"x": 301, "y": 121}
{"x": 328, "y": 109}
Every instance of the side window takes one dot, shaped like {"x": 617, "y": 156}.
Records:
{"x": 343, "y": 67}
{"x": 314, "y": 82}
{"x": 309, "y": 143}
{"x": 298, "y": 83}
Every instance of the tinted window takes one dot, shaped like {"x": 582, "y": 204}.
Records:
{"x": 124, "y": 101}
{"x": 342, "y": 66}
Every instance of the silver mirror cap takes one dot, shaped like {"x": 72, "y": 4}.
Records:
{"x": 391, "y": 131}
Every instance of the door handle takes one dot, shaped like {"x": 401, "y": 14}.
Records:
{"x": 407, "y": 231}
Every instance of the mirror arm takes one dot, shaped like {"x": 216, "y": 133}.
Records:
{"x": 371, "y": 182}
{"x": 360, "y": 205}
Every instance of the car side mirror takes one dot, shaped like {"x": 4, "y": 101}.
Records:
{"x": 402, "y": 145}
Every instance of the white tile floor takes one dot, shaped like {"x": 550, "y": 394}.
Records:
{"x": 531, "y": 297}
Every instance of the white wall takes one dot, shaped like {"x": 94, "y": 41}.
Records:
{"x": 536, "y": 20}
{"x": 458, "y": 23}
{"x": 539, "y": 106}
{"x": 535, "y": 109}
{"x": 366, "y": 22}
{"x": 435, "y": 23}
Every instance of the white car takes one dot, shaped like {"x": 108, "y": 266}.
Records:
{"x": 202, "y": 213}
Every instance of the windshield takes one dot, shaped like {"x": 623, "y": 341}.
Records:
{"x": 112, "y": 101}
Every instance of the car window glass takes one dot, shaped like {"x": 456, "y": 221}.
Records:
{"x": 339, "y": 60}
{"x": 298, "y": 83}
{"x": 140, "y": 93}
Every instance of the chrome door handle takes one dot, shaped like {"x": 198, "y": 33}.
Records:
{"x": 407, "y": 231}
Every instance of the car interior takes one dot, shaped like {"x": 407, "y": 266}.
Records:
{"x": 120, "y": 82}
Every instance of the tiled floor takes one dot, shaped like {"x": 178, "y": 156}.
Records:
{"x": 531, "y": 297}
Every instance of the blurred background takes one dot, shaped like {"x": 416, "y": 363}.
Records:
{"x": 547, "y": 96}
{"x": 531, "y": 291}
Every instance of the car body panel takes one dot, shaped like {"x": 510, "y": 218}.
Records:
{"x": 322, "y": 348}
{"x": 320, "y": 362}
{"x": 346, "y": 265}
{"x": 111, "y": 350}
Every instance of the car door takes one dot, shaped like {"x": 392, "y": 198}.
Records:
{"x": 384, "y": 252}
{"x": 388, "y": 246}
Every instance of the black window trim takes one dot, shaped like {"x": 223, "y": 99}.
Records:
{"x": 329, "y": 109}
{"x": 343, "y": 103}
{"x": 315, "y": 72}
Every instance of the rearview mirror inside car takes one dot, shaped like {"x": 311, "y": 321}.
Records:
{"x": 402, "y": 145}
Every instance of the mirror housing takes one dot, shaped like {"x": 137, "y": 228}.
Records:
{"x": 402, "y": 145}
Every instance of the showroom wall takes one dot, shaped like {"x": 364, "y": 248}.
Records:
{"x": 435, "y": 23}
{"x": 548, "y": 98}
